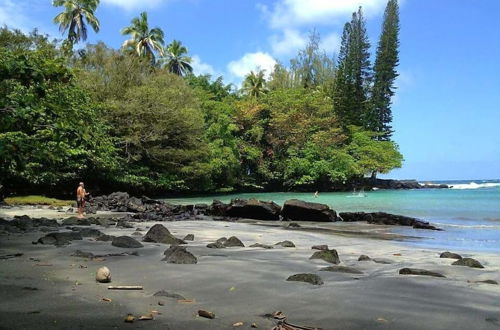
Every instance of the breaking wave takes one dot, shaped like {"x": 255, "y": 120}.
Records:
{"x": 473, "y": 185}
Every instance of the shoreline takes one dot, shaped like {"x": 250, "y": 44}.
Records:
{"x": 240, "y": 284}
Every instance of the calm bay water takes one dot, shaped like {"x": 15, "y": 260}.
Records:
{"x": 469, "y": 213}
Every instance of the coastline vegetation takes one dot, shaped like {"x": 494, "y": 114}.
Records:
{"x": 138, "y": 119}
{"x": 37, "y": 200}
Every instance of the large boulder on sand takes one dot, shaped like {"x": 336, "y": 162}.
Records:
{"x": 421, "y": 272}
{"x": 159, "y": 234}
{"x": 233, "y": 241}
{"x": 469, "y": 262}
{"x": 126, "y": 242}
{"x": 59, "y": 239}
{"x": 179, "y": 255}
{"x": 295, "y": 209}
{"x": 253, "y": 209}
{"x": 450, "y": 255}
{"x": 330, "y": 256}
{"x": 305, "y": 277}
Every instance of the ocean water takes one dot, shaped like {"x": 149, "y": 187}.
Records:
{"x": 469, "y": 212}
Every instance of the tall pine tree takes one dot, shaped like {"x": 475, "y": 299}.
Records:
{"x": 354, "y": 73}
{"x": 385, "y": 73}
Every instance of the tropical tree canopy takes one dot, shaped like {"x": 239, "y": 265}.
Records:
{"x": 255, "y": 84}
{"x": 175, "y": 59}
{"x": 143, "y": 41}
{"x": 73, "y": 18}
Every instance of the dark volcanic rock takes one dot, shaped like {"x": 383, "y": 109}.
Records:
{"x": 305, "y": 277}
{"x": 320, "y": 247}
{"x": 382, "y": 218}
{"x": 88, "y": 232}
{"x": 159, "y": 234}
{"x": 421, "y": 272}
{"x": 287, "y": 244}
{"x": 215, "y": 245}
{"x": 105, "y": 238}
{"x": 59, "y": 239}
{"x": 82, "y": 254}
{"x": 74, "y": 221}
{"x": 265, "y": 246}
{"x": 450, "y": 255}
{"x": 233, "y": 241}
{"x": 355, "y": 216}
{"x": 488, "y": 282}
{"x": 364, "y": 257}
{"x": 469, "y": 262}
{"x": 126, "y": 242}
{"x": 189, "y": 237}
{"x": 382, "y": 261}
{"x": 341, "y": 269}
{"x": 330, "y": 256}
{"x": 253, "y": 209}
{"x": 179, "y": 255}
{"x": 217, "y": 208}
{"x": 305, "y": 211}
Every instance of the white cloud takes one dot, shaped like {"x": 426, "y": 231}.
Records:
{"x": 251, "y": 62}
{"x": 288, "y": 13}
{"x": 11, "y": 14}
{"x": 288, "y": 43}
{"x": 200, "y": 67}
{"x": 330, "y": 43}
{"x": 134, "y": 4}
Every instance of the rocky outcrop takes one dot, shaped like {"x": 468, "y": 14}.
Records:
{"x": 305, "y": 277}
{"x": 450, "y": 255}
{"x": 253, "y": 209}
{"x": 469, "y": 262}
{"x": 126, "y": 242}
{"x": 59, "y": 239}
{"x": 179, "y": 255}
{"x": 287, "y": 244}
{"x": 297, "y": 210}
{"x": 330, "y": 256}
{"x": 234, "y": 241}
{"x": 420, "y": 272}
{"x": 383, "y": 218}
{"x": 159, "y": 234}
{"x": 398, "y": 184}
{"x": 341, "y": 269}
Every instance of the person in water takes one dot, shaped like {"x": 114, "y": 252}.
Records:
{"x": 316, "y": 194}
{"x": 81, "y": 194}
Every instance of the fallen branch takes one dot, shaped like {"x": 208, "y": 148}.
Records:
{"x": 125, "y": 287}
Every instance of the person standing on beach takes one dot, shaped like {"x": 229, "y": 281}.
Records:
{"x": 80, "y": 199}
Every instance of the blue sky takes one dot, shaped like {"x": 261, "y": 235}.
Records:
{"x": 447, "y": 107}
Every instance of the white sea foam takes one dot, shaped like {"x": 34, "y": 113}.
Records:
{"x": 466, "y": 226}
{"x": 474, "y": 185}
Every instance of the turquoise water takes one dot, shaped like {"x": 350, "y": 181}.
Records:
{"x": 469, "y": 213}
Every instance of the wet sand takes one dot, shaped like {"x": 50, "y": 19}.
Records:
{"x": 48, "y": 288}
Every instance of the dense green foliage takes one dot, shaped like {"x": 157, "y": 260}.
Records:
{"x": 121, "y": 119}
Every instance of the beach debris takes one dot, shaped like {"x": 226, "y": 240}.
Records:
{"x": 179, "y": 255}
{"x": 82, "y": 266}
{"x": 35, "y": 259}
{"x": 161, "y": 303}
{"x": 146, "y": 317}
{"x": 126, "y": 242}
{"x": 233, "y": 241}
{"x": 130, "y": 318}
{"x": 30, "y": 288}
{"x": 330, "y": 256}
{"x": 397, "y": 254}
{"x": 293, "y": 225}
{"x": 103, "y": 275}
{"x": 421, "y": 272}
{"x": 238, "y": 324}
{"x": 10, "y": 256}
{"x": 323, "y": 247}
{"x": 206, "y": 314}
{"x": 259, "y": 245}
{"x": 450, "y": 255}
{"x": 254, "y": 325}
{"x": 44, "y": 265}
{"x": 364, "y": 257}
{"x": 283, "y": 323}
{"x": 107, "y": 299}
{"x": 381, "y": 319}
{"x": 306, "y": 277}
{"x": 160, "y": 234}
{"x": 125, "y": 287}
{"x": 189, "y": 237}
{"x": 231, "y": 289}
{"x": 469, "y": 262}
{"x": 163, "y": 293}
{"x": 186, "y": 301}
{"x": 341, "y": 269}
{"x": 287, "y": 244}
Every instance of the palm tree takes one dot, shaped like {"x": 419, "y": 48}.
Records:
{"x": 73, "y": 16}
{"x": 143, "y": 40}
{"x": 255, "y": 84}
{"x": 176, "y": 60}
